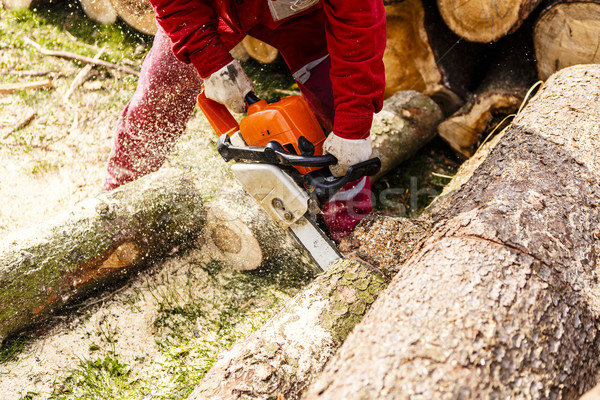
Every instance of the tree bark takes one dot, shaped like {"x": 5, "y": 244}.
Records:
{"x": 485, "y": 21}
{"x": 422, "y": 54}
{"x": 566, "y": 33}
{"x": 102, "y": 239}
{"x": 101, "y": 11}
{"x": 281, "y": 359}
{"x": 510, "y": 74}
{"x": 501, "y": 299}
{"x": 406, "y": 123}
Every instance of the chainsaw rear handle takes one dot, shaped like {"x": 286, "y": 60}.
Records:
{"x": 322, "y": 185}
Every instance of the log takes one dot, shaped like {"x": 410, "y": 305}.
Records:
{"x": 105, "y": 239}
{"x": 566, "y": 34}
{"x": 510, "y": 74}
{"x": 259, "y": 50}
{"x": 406, "y": 123}
{"x": 50, "y": 265}
{"x": 485, "y": 21}
{"x": 501, "y": 299}
{"x": 100, "y": 11}
{"x": 422, "y": 54}
{"x": 280, "y": 359}
{"x": 138, "y": 14}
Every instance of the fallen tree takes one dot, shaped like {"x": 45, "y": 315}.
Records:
{"x": 500, "y": 300}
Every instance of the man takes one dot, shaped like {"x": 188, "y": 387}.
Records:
{"x": 334, "y": 49}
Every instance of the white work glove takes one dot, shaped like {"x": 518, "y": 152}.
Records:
{"x": 229, "y": 86}
{"x": 347, "y": 151}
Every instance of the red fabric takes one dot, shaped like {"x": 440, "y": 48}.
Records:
{"x": 342, "y": 217}
{"x": 352, "y": 32}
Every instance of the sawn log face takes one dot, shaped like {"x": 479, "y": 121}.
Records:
{"x": 501, "y": 300}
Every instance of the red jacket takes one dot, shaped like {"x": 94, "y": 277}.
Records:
{"x": 352, "y": 32}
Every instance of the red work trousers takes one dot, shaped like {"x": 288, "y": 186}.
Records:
{"x": 157, "y": 114}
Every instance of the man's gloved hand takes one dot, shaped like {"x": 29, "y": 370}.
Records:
{"x": 229, "y": 86}
{"x": 347, "y": 151}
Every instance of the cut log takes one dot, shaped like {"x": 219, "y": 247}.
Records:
{"x": 485, "y": 21}
{"x": 100, "y": 11}
{"x": 406, "y": 123}
{"x": 566, "y": 34}
{"x": 138, "y": 14}
{"x": 501, "y": 299}
{"x": 510, "y": 75}
{"x": 259, "y": 50}
{"x": 18, "y": 4}
{"x": 422, "y": 54}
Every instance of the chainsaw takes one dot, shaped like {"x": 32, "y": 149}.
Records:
{"x": 279, "y": 158}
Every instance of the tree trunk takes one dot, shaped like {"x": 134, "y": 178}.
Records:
{"x": 485, "y": 21}
{"x": 501, "y": 299}
{"x": 566, "y": 33}
{"x": 406, "y": 123}
{"x": 101, "y": 11}
{"x": 105, "y": 239}
{"x": 138, "y": 14}
{"x": 422, "y": 54}
{"x": 510, "y": 74}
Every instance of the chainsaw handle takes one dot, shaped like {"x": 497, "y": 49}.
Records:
{"x": 272, "y": 153}
{"x": 322, "y": 185}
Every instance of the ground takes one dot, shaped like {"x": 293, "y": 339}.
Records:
{"x": 154, "y": 336}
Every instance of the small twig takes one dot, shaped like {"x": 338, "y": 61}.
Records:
{"x": 51, "y": 72}
{"x": 83, "y": 59}
{"x": 21, "y": 124}
{"x": 13, "y": 87}
{"x": 287, "y": 92}
{"x": 81, "y": 77}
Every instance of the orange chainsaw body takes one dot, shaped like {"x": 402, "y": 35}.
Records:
{"x": 283, "y": 121}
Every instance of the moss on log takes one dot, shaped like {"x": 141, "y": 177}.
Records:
{"x": 501, "y": 299}
{"x": 99, "y": 240}
{"x": 281, "y": 359}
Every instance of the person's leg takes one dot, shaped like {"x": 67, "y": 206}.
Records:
{"x": 155, "y": 117}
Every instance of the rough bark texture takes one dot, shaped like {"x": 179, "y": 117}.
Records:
{"x": 422, "y": 54}
{"x": 281, "y": 359}
{"x": 485, "y": 20}
{"x": 101, "y": 239}
{"x": 406, "y": 123}
{"x": 501, "y": 300}
{"x": 510, "y": 74}
{"x": 566, "y": 33}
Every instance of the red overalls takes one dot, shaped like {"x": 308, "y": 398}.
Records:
{"x": 344, "y": 89}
